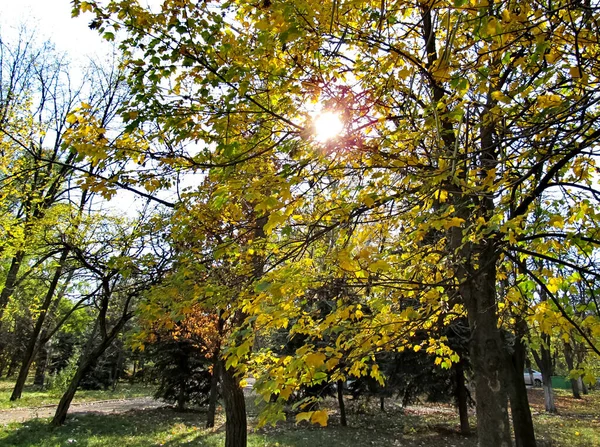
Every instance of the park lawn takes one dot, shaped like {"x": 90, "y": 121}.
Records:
{"x": 576, "y": 425}
{"x": 32, "y": 397}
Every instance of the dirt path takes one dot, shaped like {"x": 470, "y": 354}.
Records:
{"x": 102, "y": 407}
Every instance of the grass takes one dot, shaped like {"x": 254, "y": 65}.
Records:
{"x": 33, "y": 397}
{"x": 576, "y": 425}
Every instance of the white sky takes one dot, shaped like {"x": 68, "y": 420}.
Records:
{"x": 51, "y": 20}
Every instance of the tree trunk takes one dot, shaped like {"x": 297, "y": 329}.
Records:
{"x": 519, "y": 403}
{"x": 462, "y": 399}
{"x": 544, "y": 363}
{"x": 214, "y": 394}
{"x": 235, "y": 410}
{"x": 570, "y": 361}
{"x": 31, "y": 349}
{"x": 582, "y": 385}
{"x": 488, "y": 354}
{"x": 85, "y": 364}
{"x": 340, "y": 397}
{"x": 65, "y": 401}
{"x": 181, "y": 396}
{"x": 11, "y": 281}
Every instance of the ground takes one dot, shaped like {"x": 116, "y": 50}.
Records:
{"x": 576, "y": 425}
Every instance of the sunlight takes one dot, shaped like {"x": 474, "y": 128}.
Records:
{"x": 327, "y": 125}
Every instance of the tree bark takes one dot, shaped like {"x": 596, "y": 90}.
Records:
{"x": 462, "y": 399}
{"x": 10, "y": 282}
{"x": 519, "y": 403}
{"x": 65, "y": 401}
{"x": 488, "y": 354}
{"x": 340, "y": 397}
{"x": 570, "y": 361}
{"x": 235, "y": 410}
{"x": 544, "y": 363}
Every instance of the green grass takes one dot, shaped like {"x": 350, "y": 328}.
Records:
{"x": 33, "y": 397}
{"x": 164, "y": 427}
{"x": 576, "y": 425}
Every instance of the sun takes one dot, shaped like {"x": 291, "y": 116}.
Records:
{"x": 327, "y": 125}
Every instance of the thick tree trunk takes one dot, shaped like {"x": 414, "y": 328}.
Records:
{"x": 214, "y": 394}
{"x": 235, "y": 410}
{"x": 462, "y": 397}
{"x": 340, "y": 397}
{"x": 32, "y": 345}
{"x": 488, "y": 354}
{"x": 519, "y": 403}
{"x": 570, "y": 361}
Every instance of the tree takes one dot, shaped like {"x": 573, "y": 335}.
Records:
{"x": 122, "y": 266}
{"x": 458, "y": 119}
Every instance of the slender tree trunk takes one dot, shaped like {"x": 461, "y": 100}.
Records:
{"x": 544, "y": 363}
{"x": 462, "y": 399}
{"x": 65, "y": 401}
{"x": 340, "y": 397}
{"x": 31, "y": 350}
{"x": 181, "y": 396}
{"x": 214, "y": 394}
{"x": 10, "y": 282}
{"x": 519, "y": 403}
{"x": 570, "y": 361}
{"x": 88, "y": 360}
{"x": 235, "y": 410}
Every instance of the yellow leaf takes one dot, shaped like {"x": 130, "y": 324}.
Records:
{"x": 320, "y": 417}
{"x": 315, "y": 359}
{"x": 557, "y": 221}
{"x": 379, "y": 265}
{"x": 332, "y": 363}
{"x": 304, "y": 416}
{"x": 453, "y": 222}
{"x": 286, "y": 392}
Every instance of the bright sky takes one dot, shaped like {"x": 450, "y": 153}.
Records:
{"x": 51, "y": 20}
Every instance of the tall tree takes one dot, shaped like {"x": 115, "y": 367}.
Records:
{"x": 457, "y": 120}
